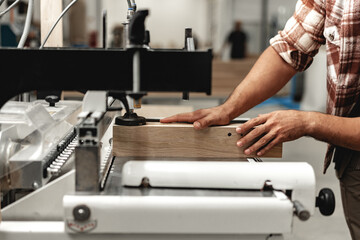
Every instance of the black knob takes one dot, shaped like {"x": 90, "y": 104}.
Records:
{"x": 137, "y": 27}
{"x": 326, "y": 202}
{"x": 130, "y": 119}
{"x": 52, "y": 99}
{"x": 81, "y": 213}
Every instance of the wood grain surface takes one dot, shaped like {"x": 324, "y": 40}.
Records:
{"x": 177, "y": 140}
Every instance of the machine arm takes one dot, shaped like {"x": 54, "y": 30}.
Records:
{"x": 98, "y": 69}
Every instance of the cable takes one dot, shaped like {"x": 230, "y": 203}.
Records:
{"x": 27, "y": 25}
{"x": 129, "y": 4}
{"x": 9, "y": 8}
{"x": 61, "y": 15}
{"x": 133, "y": 4}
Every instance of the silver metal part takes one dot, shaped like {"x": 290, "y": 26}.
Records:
{"x": 25, "y": 97}
{"x": 35, "y": 146}
{"x": 129, "y": 15}
{"x": 91, "y": 130}
{"x": 32, "y": 144}
{"x": 136, "y": 72}
{"x": 190, "y": 44}
{"x": 87, "y": 168}
{"x": 106, "y": 166}
{"x": 55, "y": 167}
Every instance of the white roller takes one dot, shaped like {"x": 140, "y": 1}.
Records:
{"x": 298, "y": 177}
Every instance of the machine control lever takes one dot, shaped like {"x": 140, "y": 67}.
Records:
{"x": 300, "y": 211}
{"x": 137, "y": 27}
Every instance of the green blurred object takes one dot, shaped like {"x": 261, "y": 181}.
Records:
{"x": 7, "y": 36}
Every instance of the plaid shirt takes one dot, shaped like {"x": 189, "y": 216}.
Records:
{"x": 335, "y": 23}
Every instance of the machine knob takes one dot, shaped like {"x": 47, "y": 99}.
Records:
{"x": 52, "y": 99}
{"x": 81, "y": 213}
{"x": 326, "y": 202}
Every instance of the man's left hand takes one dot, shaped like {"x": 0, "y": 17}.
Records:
{"x": 272, "y": 129}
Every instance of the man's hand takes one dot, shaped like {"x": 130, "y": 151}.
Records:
{"x": 275, "y": 128}
{"x": 202, "y": 118}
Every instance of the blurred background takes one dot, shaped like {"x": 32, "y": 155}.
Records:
{"x": 212, "y": 22}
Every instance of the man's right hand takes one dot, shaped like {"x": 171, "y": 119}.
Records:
{"x": 202, "y": 118}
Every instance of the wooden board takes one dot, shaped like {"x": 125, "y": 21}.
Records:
{"x": 175, "y": 140}
{"x": 50, "y": 11}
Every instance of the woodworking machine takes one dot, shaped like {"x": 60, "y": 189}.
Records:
{"x": 59, "y": 177}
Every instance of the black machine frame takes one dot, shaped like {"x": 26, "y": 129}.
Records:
{"x": 77, "y": 69}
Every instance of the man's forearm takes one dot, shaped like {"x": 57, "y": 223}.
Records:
{"x": 340, "y": 131}
{"x": 269, "y": 74}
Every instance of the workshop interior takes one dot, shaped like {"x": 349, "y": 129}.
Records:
{"x": 83, "y": 154}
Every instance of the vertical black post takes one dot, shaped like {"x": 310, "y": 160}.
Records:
{"x": 104, "y": 32}
{"x": 264, "y": 24}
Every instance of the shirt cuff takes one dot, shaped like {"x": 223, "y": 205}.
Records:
{"x": 299, "y": 60}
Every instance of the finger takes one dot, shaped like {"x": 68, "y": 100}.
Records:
{"x": 246, "y": 127}
{"x": 170, "y": 119}
{"x": 204, "y": 122}
{"x": 269, "y": 146}
{"x": 252, "y": 135}
{"x": 261, "y": 143}
{"x": 182, "y": 117}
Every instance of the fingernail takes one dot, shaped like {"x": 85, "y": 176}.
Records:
{"x": 259, "y": 153}
{"x": 239, "y": 144}
{"x": 197, "y": 125}
{"x": 238, "y": 129}
{"x": 247, "y": 152}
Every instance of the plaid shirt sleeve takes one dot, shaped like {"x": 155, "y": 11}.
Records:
{"x": 302, "y": 35}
